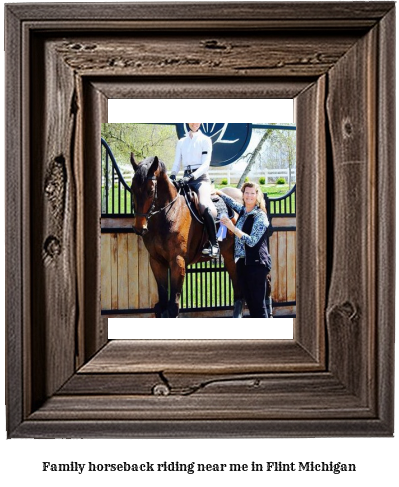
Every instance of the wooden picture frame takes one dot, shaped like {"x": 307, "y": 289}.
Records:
{"x": 335, "y": 378}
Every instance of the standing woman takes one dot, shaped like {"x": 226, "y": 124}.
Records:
{"x": 194, "y": 151}
{"x": 251, "y": 253}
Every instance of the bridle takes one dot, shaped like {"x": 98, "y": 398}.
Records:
{"x": 150, "y": 213}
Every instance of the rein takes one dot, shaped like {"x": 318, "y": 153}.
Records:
{"x": 191, "y": 209}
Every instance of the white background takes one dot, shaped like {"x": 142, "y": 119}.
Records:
{"x": 376, "y": 458}
{"x": 239, "y": 111}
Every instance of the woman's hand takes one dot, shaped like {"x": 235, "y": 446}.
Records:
{"x": 217, "y": 191}
{"x": 228, "y": 223}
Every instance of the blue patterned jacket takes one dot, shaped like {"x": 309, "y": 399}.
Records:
{"x": 256, "y": 239}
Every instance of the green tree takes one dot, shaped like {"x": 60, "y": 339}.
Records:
{"x": 253, "y": 156}
{"x": 283, "y": 143}
{"x": 143, "y": 140}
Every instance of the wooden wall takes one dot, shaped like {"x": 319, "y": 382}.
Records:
{"x": 127, "y": 281}
{"x": 283, "y": 253}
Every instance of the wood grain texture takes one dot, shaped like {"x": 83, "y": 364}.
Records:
{"x": 351, "y": 113}
{"x": 385, "y": 245}
{"x": 273, "y": 248}
{"x": 291, "y": 389}
{"x": 248, "y": 406}
{"x": 127, "y": 281}
{"x": 216, "y": 55}
{"x": 284, "y": 222}
{"x": 291, "y": 266}
{"x": 53, "y": 243}
{"x": 200, "y": 356}
{"x": 78, "y": 176}
{"x": 191, "y": 428}
{"x": 280, "y": 285}
{"x": 311, "y": 217}
{"x": 142, "y": 257}
{"x": 136, "y": 384}
{"x": 123, "y": 282}
{"x": 152, "y": 87}
{"x": 125, "y": 223}
{"x": 361, "y": 14}
{"x": 133, "y": 265}
{"x": 106, "y": 278}
{"x": 114, "y": 271}
{"x": 17, "y": 314}
{"x": 91, "y": 115}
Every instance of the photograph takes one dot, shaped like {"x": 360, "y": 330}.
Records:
{"x": 198, "y": 220}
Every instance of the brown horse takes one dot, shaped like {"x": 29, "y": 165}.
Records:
{"x": 171, "y": 235}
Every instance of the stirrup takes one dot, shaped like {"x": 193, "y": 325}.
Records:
{"x": 215, "y": 252}
{"x": 207, "y": 249}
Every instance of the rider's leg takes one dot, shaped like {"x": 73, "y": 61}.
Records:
{"x": 204, "y": 197}
{"x": 211, "y": 229}
{"x": 208, "y": 212}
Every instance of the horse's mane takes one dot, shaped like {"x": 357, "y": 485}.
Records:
{"x": 144, "y": 166}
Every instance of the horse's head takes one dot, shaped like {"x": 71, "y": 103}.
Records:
{"x": 144, "y": 189}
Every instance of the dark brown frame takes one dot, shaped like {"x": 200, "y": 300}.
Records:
{"x": 336, "y": 376}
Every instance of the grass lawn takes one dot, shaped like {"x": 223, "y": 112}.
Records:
{"x": 206, "y": 285}
{"x": 121, "y": 205}
{"x": 272, "y": 190}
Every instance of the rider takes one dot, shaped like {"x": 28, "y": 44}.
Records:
{"x": 194, "y": 150}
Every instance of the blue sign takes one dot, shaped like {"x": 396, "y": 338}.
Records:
{"x": 229, "y": 139}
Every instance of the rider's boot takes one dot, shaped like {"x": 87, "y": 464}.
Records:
{"x": 213, "y": 249}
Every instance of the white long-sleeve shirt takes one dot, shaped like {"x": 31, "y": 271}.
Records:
{"x": 195, "y": 152}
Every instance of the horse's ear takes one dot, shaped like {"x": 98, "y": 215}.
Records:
{"x": 154, "y": 165}
{"x": 133, "y": 162}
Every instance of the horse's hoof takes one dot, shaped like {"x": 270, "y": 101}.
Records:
{"x": 238, "y": 307}
{"x": 173, "y": 310}
{"x": 160, "y": 312}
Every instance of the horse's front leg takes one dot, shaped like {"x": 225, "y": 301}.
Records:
{"x": 177, "y": 274}
{"x": 161, "y": 276}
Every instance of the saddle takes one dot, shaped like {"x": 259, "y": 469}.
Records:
{"x": 221, "y": 207}
{"x": 193, "y": 203}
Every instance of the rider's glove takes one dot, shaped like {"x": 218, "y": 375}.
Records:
{"x": 172, "y": 177}
{"x": 187, "y": 179}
